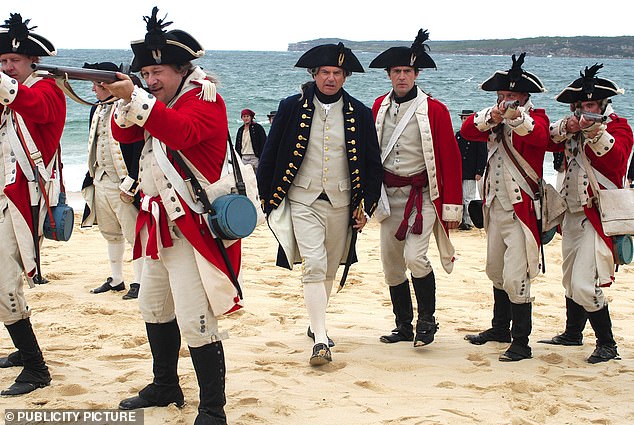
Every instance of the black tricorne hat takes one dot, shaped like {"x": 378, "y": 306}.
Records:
{"x": 103, "y": 66}
{"x": 465, "y": 112}
{"x": 589, "y": 87}
{"x": 414, "y": 56}
{"x": 330, "y": 55}
{"x": 159, "y": 47}
{"x": 514, "y": 79}
{"x": 16, "y": 37}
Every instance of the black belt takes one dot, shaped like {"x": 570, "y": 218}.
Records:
{"x": 323, "y": 197}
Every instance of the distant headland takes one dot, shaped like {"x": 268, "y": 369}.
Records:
{"x": 581, "y": 46}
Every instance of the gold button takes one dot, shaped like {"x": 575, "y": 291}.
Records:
{"x": 353, "y": 142}
{"x": 326, "y": 159}
{"x": 352, "y": 129}
{"x": 327, "y": 138}
{"x": 326, "y": 148}
{"x": 304, "y": 116}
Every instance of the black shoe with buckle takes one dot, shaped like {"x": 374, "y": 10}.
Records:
{"x": 19, "y": 388}
{"x": 13, "y": 359}
{"x": 464, "y": 226}
{"x": 311, "y": 335}
{"x": 133, "y": 292}
{"x": 603, "y": 353}
{"x": 502, "y": 335}
{"x": 321, "y": 355}
{"x": 564, "y": 339}
{"x": 106, "y": 286}
{"x": 425, "y": 332}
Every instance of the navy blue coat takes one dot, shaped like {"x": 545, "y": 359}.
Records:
{"x": 474, "y": 157}
{"x": 287, "y": 142}
{"x": 258, "y": 137}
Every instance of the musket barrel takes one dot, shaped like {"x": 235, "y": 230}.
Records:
{"x": 597, "y": 118}
{"x": 511, "y": 104}
{"x": 73, "y": 73}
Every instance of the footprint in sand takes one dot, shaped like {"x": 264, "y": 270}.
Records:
{"x": 72, "y": 390}
{"x": 478, "y": 359}
{"x": 552, "y": 358}
{"x": 368, "y": 385}
{"x": 275, "y": 344}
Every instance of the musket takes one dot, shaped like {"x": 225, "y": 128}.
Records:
{"x": 72, "y": 73}
{"x": 596, "y": 118}
{"x": 511, "y": 104}
{"x": 62, "y": 75}
{"x": 351, "y": 250}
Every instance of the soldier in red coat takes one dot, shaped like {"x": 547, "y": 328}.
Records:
{"x": 184, "y": 275}
{"x": 422, "y": 189}
{"x": 32, "y": 115}
{"x": 588, "y": 259}
{"x": 517, "y": 136}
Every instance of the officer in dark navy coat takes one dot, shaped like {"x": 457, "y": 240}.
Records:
{"x": 320, "y": 169}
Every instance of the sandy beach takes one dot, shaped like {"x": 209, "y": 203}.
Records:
{"x": 96, "y": 348}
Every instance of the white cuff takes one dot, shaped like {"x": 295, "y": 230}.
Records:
{"x": 558, "y": 132}
{"x": 482, "y": 118}
{"x": 8, "y": 89}
{"x": 135, "y": 112}
{"x": 602, "y": 143}
{"x": 128, "y": 185}
{"x": 451, "y": 212}
{"x": 522, "y": 125}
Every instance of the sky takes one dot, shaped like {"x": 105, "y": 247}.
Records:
{"x": 271, "y": 24}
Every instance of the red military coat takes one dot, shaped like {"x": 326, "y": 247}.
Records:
{"x": 531, "y": 146}
{"x": 198, "y": 129}
{"x": 42, "y": 106}
{"x": 612, "y": 163}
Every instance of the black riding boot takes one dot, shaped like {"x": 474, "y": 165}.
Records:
{"x": 606, "y": 346}
{"x": 35, "y": 373}
{"x": 209, "y": 364}
{"x": 500, "y": 323}
{"x": 576, "y": 317}
{"x": 522, "y": 326}
{"x": 426, "y": 326}
{"x": 165, "y": 343}
{"x": 403, "y": 312}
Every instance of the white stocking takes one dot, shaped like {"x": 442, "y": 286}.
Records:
{"x": 316, "y": 302}
{"x": 115, "y": 255}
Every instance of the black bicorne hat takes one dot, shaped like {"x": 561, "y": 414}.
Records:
{"x": 16, "y": 37}
{"x": 330, "y": 55}
{"x": 514, "y": 79}
{"x": 589, "y": 87}
{"x": 159, "y": 47}
{"x": 103, "y": 66}
{"x": 415, "y": 56}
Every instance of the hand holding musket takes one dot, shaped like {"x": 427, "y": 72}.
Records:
{"x": 122, "y": 88}
{"x": 505, "y": 109}
{"x": 508, "y": 109}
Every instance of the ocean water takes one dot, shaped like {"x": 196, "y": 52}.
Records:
{"x": 259, "y": 80}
